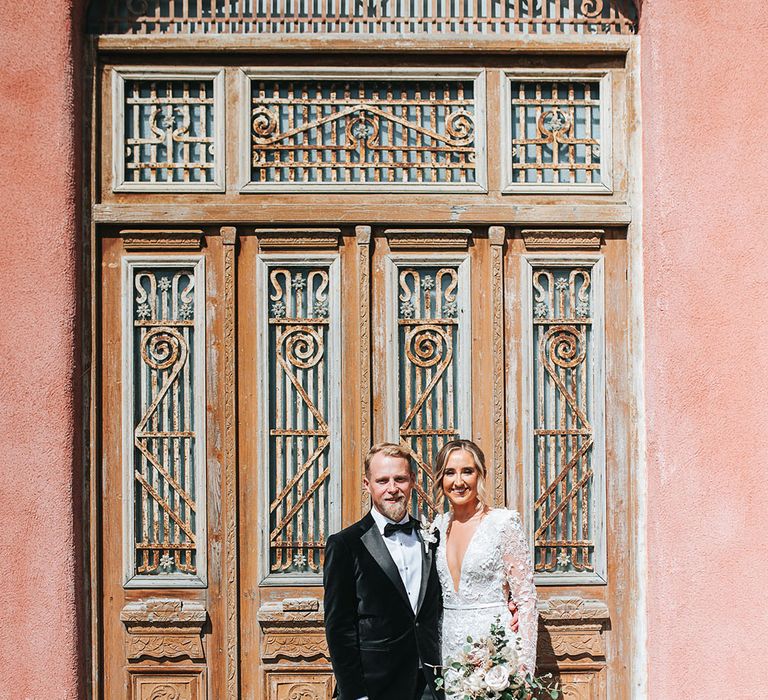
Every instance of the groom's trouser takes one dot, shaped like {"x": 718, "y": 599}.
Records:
{"x": 423, "y": 690}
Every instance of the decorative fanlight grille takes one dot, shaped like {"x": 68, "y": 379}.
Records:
{"x": 501, "y": 17}
{"x": 560, "y": 137}
{"x": 169, "y": 131}
{"x": 382, "y": 134}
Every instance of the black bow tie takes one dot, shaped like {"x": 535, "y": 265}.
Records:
{"x": 391, "y": 528}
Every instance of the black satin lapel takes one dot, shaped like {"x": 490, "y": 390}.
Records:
{"x": 426, "y": 568}
{"x": 374, "y": 543}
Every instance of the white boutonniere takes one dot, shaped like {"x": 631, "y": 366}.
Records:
{"x": 429, "y": 533}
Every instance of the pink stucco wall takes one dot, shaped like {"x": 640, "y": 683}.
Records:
{"x": 40, "y": 576}
{"x": 706, "y": 304}
{"x": 705, "y": 241}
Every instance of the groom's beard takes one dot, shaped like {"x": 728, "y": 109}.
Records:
{"x": 395, "y": 510}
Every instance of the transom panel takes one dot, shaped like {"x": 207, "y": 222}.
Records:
{"x": 378, "y": 130}
{"x": 369, "y": 17}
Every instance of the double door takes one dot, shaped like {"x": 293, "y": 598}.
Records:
{"x": 360, "y": 336}
{"x": 246, "y": 372}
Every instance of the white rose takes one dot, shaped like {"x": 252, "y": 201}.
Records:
{"x": 497, "y": 678}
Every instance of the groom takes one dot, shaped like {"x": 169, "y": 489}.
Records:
{"x": 382, "y": 593}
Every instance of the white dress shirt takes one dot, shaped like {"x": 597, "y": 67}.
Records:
{"x": 405, "y": 551}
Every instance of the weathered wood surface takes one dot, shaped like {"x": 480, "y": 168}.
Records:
{"x": 386, "y": 212}
{"x": 302, "y": 44}
{"x": 246, "y": 627}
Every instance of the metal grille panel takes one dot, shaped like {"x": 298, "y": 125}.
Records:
{"x": 369, "y": 17}
{"x": 169, "y": 132}
{"x": 563, "y": 432}
{"x": 301, "y": 400}
{"x": 363, "y": 132}
{"x": 556, "y": 132}
{"x": 429, "y": 321}
{"x": 166, "y": 512}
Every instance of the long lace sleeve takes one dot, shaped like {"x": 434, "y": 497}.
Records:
{"x": 518, "y": 569}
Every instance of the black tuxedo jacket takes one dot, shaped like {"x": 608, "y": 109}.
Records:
{"x": 375, "y": 639}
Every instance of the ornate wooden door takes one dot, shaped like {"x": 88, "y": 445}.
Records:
{"x": 417, "y": 336}
{"x": 299, "y": 424}
{"x": 163, "y": 396}
{"x": 355, "y": 335}
{"x": 322, "y": 341}
{"x": 300, "y": 247}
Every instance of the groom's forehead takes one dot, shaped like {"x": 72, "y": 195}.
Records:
{"x": 386, "y": 466}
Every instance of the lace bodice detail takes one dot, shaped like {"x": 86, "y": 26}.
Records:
{"x": 497, "y": 566}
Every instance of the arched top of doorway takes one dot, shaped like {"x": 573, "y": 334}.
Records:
{"x": 363, "y": 17}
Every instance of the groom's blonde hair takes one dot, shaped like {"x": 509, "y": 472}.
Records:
{"x": 388, "y": 449}
{"x": 442, "y": 460}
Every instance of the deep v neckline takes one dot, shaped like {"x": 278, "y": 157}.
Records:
{"x": 455, "y": 588}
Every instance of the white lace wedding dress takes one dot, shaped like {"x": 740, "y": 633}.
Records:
{"x": 497, "y": 565}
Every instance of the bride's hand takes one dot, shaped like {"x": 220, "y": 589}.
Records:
{"x": 514, "y": 622}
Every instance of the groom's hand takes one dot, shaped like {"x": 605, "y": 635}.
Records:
{"x": 514, "y": 622}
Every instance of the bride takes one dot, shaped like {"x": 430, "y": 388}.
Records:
{"x": 482, "y": 558}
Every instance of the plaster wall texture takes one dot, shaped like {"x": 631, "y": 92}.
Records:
{"x": 706, "y": 303}
{"x": 704, "y": 107}
{"x": 40, "y": 579}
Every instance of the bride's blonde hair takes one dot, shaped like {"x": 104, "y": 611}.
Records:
{"x": 479, "y": 459}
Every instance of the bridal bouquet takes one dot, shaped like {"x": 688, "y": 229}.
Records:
{"x": 486, "y": 670}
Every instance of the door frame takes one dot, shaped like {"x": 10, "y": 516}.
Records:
{"x": 168, "y": 217}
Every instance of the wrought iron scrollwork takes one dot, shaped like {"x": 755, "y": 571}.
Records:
{"x": 365, "y": 17}
{"x": 563, "y": 433}
{"x": 556, "y": 132}
{"x": 428, "y": 334}
{"x": 363, "y": 131}
{"x": 165, "y": 509}
{"x": 299, "y": 511}
{"x": 169, "y": 131}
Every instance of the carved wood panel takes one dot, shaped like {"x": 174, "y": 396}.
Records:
{"x": 572, "y": 646}
{"x": 299, "y": 686}
{"x": 292, "y": 629}
{"x": 571, "y": 628}
{"x": 583, "y": 684}
{"x": 167, "y": 684}
{"x": 164, "y": 629}
{"x": 294, "y": 653}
